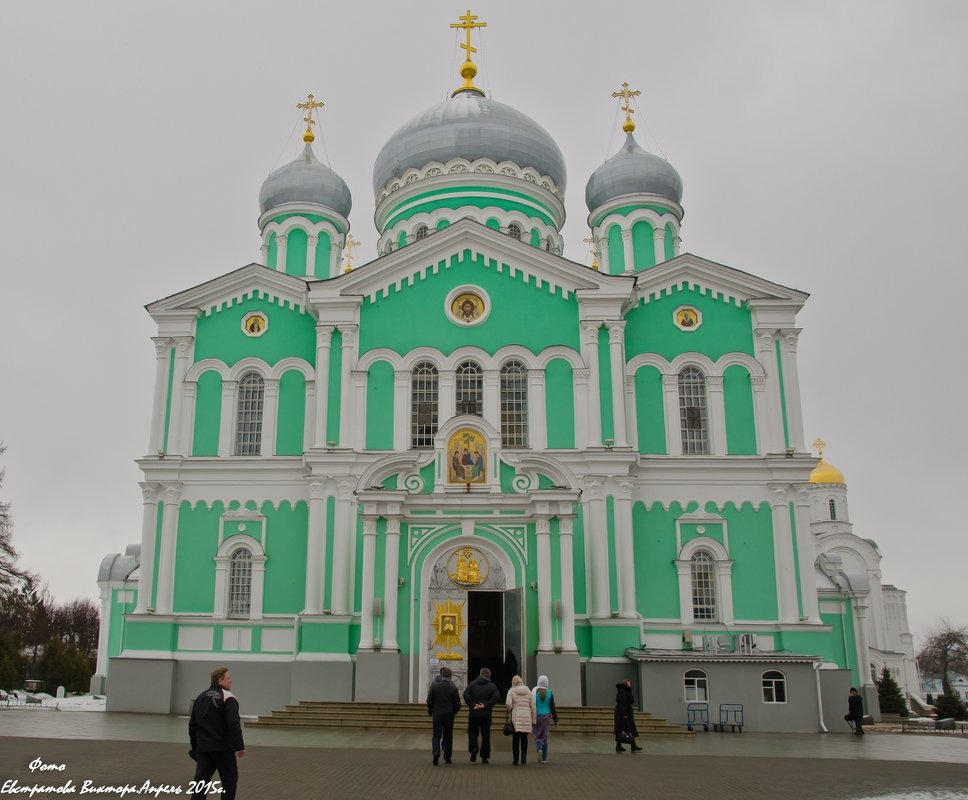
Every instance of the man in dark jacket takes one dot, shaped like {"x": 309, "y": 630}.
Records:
{"x": 855, "y": 711}
{"x": 215, "y": 733}
{"x": 479, "y": 697}
{"x": 443, "y": 703}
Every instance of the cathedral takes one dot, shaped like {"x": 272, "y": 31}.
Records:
{"x": 474, "y": 452}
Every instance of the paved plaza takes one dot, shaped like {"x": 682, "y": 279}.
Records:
{"x": 112, "y": 750}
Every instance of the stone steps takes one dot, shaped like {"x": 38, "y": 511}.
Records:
{"x": 413, "y": 716}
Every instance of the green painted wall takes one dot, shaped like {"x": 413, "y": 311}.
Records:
{"x": 208, "y": 414}
{"x": 643, "y": 244}
{"x": 605, "y": 385}
{"x": 273, "y": 253}
{"x": 379, "y": 406}
{"x": 297, "y": 245}
{"x": 611, "y": 641}
{"x": 493, "y": 223}
{"x": 291, "y": 427}
{"x": 725, "y": 327}
{"x": 335, "y": 379}
{"x": 740, "y": 419}
{"x": 560, "y": 404}
{"x": 521, "y": 313}
{"x": 670, "y": 243}
{"x": 150, "y": 636}
{"x": 118, "y": 610}
{"x": 656, "y": 579}
{"x": 195, "y": 548}
{"x": 754, "y": 568}
{"x": 324, "y": 247}
{"x": 290, "y": 333}
{"x": 285, "y": 576}
{"x": 159, "y": 524}
{"x": 325, "y": 637}
{"x": 649, "y": 411}
{"x": 578, "y": 560}
{"x": 624, "y": 211}
{"x": 616, "y": 250}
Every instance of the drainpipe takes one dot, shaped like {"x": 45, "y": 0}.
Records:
{"x": 816, "y": 672}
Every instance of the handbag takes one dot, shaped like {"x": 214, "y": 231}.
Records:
{"x": 508, "y": 728}
{"x": 626, "y": 738}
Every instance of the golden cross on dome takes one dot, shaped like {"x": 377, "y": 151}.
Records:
{"x": 468, "y": 70}
{"x": 348, "y": 249}
{"x": 309, "y": 106}
{"x": 627, "y": 94}
{"x": 820, "y": 444}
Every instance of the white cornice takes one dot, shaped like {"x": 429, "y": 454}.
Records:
{"x": 301, "y": 209}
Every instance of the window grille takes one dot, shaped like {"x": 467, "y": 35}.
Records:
{"x": 833, "y": 509}
{"x": 514, "y": 231}
{"x": 703, "y": 586}
{"x": 514, "y": 404}
{"x": 470, "y": 389}
{"x": 695, "y": 686}
{"x": 240, "y": 583}
{"x": 421, "y": 232}
{"x": 692, "y": 412}
{"x": 248, "y": 429}
{"x": 423, "y": 396}
{"x": 774, "y": 686}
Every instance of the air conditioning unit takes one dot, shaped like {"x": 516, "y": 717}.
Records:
{"x": 710, "y": 643}
{"x": 746, "y": 643}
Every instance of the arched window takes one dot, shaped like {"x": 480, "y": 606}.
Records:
{"x": 423, "y": 414}
{"x": 833, "y": 508}
{"x": 470, "y": 389}
{"x": 702, "y": 568}
{"x": 248, "y": 428}
{"x": 514, "y": 404}
{"x": 420, "y": 233}
{"x": 692, "y": 411}
{"x": 240, "y": 583}
{"x": 774, "y": 686}
{"x": 695, "y": 686}
{"x": 514, "y": 231}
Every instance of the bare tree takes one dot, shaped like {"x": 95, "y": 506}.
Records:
{"x": 10, "y": 574}
{"x": 945, "y": 650}
{"x": 77, "y": 624}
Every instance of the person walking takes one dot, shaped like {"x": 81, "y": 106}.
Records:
{"x": 544, "y": 708}
{"x": 521, "y": 713}
{"x": 480, "y": 697}
{"x": 625, "y": 729}
{"x": 215, "y": 735}
{"x": 855, "y": 711}
{"x": 443, "y": 703}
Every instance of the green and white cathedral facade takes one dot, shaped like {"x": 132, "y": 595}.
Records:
{"x": 472, "y": 450}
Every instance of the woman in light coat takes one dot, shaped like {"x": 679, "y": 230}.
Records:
{"x": 521, "y": 712}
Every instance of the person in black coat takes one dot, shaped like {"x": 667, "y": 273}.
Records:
{"x": 855, "y": 711}
{"x": 480, "y": 697}
{"x": 443, "y": 703}
{"x": 215, "y": 733}
{"x": 624, "y": 716}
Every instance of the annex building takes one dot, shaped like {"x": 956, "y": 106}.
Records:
{"x": 473, "y": 451}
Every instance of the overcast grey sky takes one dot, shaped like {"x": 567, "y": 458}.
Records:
{"x": 821, "y": 145}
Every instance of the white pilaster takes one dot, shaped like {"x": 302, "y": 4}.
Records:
{"x": 401, "y": 410}
{"x": 806, "y": 557}
{"x": 566, "y": 540}
{"x": 309, "y": 415}
{"x": 631, "y": 412}
{"x": 676, "y": 244}
{"x": 184, "y": 345}
{"x": 686, "y": 611}
{"x": 863, "y": 648}
{"x": 658, "y": 237}
{"x": 580, "y": 379}
{"x": 347, "y": 412}
{"x": 335, "y": 251}
{"x": 616, "y": 352}
{"x": 316, "y": 548}
{"x": 341, "y": 548}
{"x": 543, "y": 532}
{"x": 791, "y": 386}
{"x": 312, "y": 242}
{"x": 670, "y": 408}
{"x": 146, "y": 563}
{"x": 270, "y": 407}
{"x": 772, "y": 422}
{"x": 716, "y": 408}
{"x": 367, "y": 588}
{"x": 324, "y": 337}
{"x": 166, "y": 558}
{"x": 188, "y": 426}
{"x": 226, "y": 422}
{"x": 391, "y": 583}
{"x": 492, "y": 397}
{"x": 280, "y": 253}
{"x": 162, "y": 361}
{"x": 103, "y": 636}
{"x": 628, "y": 251}
{"x": 537, "y": 418}
{"x": 758, "y": 383}
{"x": 446, "y": 402}
{"x": 264, "y": 255}
{"x": 786, "y": 576}
{"x": 625, "y": 551}
{"x": 589, "y": 353}
{"x": 357, "y": 396}
{"x": 597, "y": 536}
{"x": 602, "y": 245}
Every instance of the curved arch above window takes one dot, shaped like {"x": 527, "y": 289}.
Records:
{"x": 514, "y": 231}
{"x": 514, "y": 404}
{"x": 693, "y": 418}
{"x": 469, "y": 388}
{"x": 423, "y": 405}
{"x": 703, "y": 579}
{"x": 695, "y": 686}
{"x": 774, "y": 686}
{"x": 248, "y": 426}
{"x": 420, "y": 233}
{"x": 832, "y": 508}
{"x": 240, "y": 583}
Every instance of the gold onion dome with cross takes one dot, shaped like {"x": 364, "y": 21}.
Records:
{"x": 306, "y": 180}
{"x": 469, "y": 125}
{"x": 824, "y": 472}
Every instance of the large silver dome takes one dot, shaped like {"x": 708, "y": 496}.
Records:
{"x": 632, "y": 170}
{"x": 469, "y": 126}
{"x": 306, "y": 180}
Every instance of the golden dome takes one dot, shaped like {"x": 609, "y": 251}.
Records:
{"x": 826, "y": 473}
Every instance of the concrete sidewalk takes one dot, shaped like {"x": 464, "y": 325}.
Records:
{"x": 117, "y": 749}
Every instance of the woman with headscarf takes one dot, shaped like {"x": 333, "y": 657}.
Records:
{"x": 625, "y": 729}
{"x": 521, "y": 714}
{"x": 544, "y": 708}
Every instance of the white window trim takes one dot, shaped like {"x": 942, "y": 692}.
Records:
{"x": 724, "y": 581}
{"x": 774, "y": 702}
{"x": 705, "y": 676}
{"x": 223, "y": 560}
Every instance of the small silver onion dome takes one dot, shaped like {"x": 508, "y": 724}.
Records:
{"x": 632, "y": 170}
{"x": 470, "y": 126}
{"x": 306, "y": 180}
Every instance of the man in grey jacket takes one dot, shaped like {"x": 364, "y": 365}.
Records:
{"x": 443, "y": 703}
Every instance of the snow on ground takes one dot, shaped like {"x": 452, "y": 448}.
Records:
{"x": 20, "y": 699}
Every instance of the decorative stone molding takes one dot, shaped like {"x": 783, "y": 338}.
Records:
{"x": 461, "y": 166}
